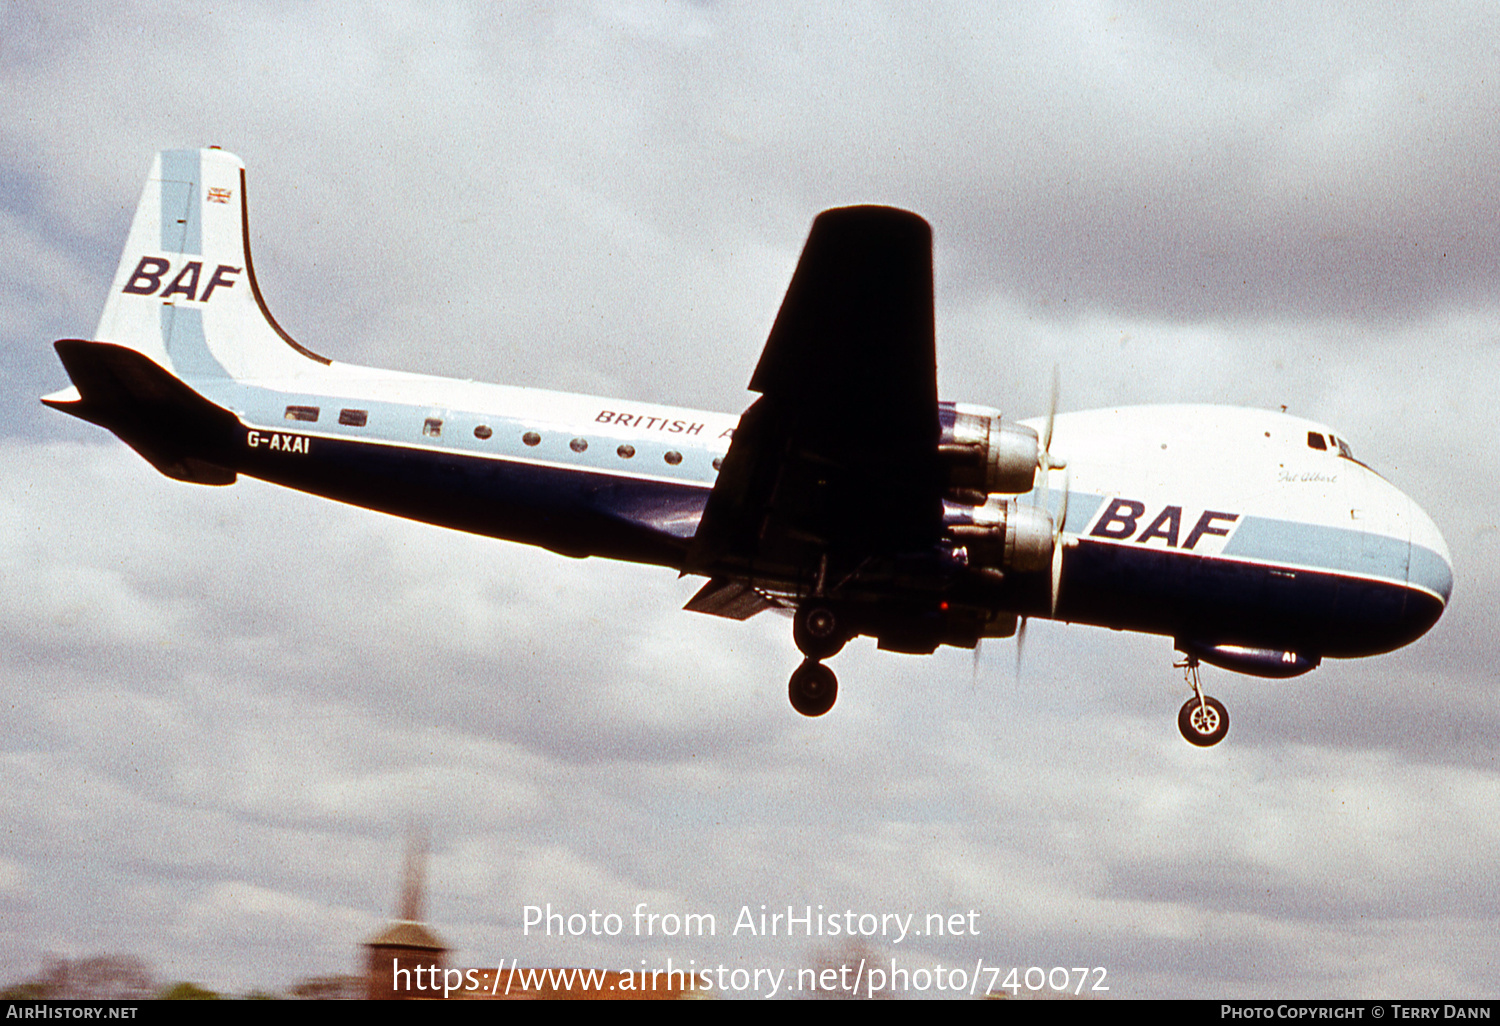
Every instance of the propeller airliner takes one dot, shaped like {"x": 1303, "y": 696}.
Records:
{"x": 846, "y": 495}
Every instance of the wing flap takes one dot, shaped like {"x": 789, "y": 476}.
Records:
{"x": 729, "y": 599}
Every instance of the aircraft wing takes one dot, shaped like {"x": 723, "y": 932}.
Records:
{"x": 836, "y": 464}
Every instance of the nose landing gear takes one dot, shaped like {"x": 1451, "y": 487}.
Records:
{"x": 1202, "y": 720}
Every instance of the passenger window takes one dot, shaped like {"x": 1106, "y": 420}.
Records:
{"x": 353, "y": 418}
{"x": 483, "y": 432}
{"x": 578, "y": 445}
{"x": 432, "y": 427}
{"x": 307, "y": 413}
{"x": 626, "y": 451}
{"x": 531, "y": 438}
{"x": 1315, "y": 441}
{"x": 673, "y": 458}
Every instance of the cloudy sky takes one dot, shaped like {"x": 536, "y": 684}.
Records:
{"x": 224, "y": 707}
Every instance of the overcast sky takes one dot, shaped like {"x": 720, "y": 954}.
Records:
{"x": 223, "y": 707}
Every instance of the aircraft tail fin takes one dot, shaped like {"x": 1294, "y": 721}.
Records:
{"x": 185, "y": 293}
{"x": 183, "y": 312}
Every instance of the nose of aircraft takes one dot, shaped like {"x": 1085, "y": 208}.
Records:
{"x": 1429, "y": 571}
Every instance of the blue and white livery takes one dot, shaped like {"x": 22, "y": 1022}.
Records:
{"x": 1255, "y": 540}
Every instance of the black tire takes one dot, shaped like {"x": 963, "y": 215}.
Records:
{"x": 819, "y": 631}
{"x": 1202, "y": 726}
{"x": 813, "y": 688}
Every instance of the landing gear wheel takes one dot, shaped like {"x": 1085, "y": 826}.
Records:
{"x": 1203, "y": 722}
{"x": 813, "y": 689}
{"x": 818, "y": 631}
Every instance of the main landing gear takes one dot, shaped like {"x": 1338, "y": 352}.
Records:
{"x": 820, "y": 634}
{"x": 1203, "y": 720}
{"x": 813, "y": 688}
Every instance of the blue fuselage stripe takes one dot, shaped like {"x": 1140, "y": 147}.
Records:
{"x": 1342, "y": 551}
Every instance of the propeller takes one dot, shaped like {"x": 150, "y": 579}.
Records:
{"x": 1046, "y": 463}
{"x": 1057, "y": 542}
{"x": 1057, "y": 559}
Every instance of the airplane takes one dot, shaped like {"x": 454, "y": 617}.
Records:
{"x": 846, "y": 495}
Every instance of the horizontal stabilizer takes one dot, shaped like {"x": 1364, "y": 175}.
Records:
{"x": 179, "y": 432}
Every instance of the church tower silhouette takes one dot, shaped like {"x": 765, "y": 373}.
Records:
{"x": 406, "y": 960}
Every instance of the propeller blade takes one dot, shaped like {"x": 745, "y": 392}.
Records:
{"x": 1051, "y": 410}
{"x": 1057, "y": 540}
{"x": 1045, "y": 461}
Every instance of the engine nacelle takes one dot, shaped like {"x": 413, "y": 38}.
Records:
{"x": 1008, "y": 536}
{"x": 982, "y": 455}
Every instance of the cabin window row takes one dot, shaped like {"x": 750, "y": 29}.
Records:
{"x": 625, "y": 450}
{"x": 310, "y": 414}
{"x": 432, "y": 427}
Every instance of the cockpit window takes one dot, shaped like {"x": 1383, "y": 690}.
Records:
{"x": 1344, "y": 449}
{"x": 1315, "y": 441}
